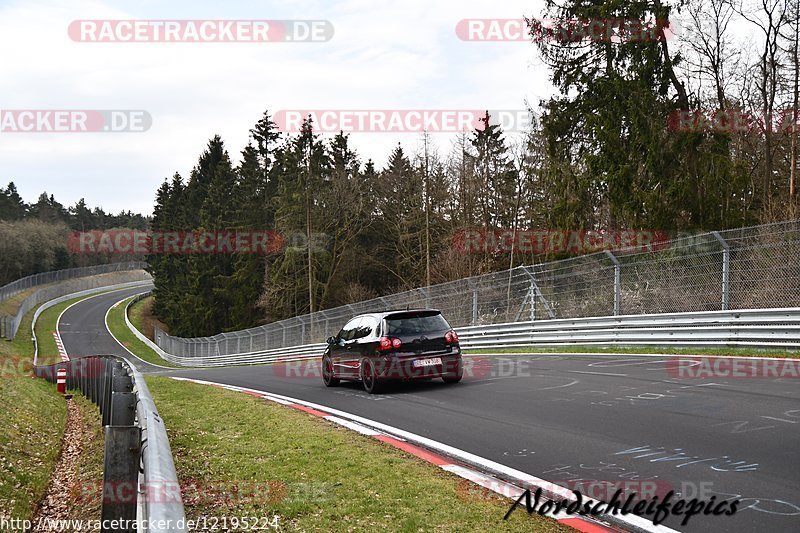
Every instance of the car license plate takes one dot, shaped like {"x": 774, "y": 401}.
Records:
{"x": 427, "y": 362}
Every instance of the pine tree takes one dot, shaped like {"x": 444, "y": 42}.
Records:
{"x": 303, "y": 170}
{"x": 402, "y": 220}
{"x": 11, "y": 205}
{"x": 496, "y": 175}
{"x": 347, "y": 205}
{"x": 81, "y": 216}
{"x": 606, "y": 131}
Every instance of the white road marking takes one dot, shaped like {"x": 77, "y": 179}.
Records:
{"x": 598, "y": 373}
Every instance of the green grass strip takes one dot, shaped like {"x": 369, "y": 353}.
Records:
{"x": 312, "y": 474}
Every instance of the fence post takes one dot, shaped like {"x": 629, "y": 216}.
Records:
{"x": 726, "y": 270}
{"x": 537, "y": 293}
{"x": 475, "y": 307}
{"x": 302, "y": 331}
{"x": 617, "y": 281}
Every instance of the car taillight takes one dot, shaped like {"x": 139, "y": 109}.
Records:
{"x": 451, "y": 337}
{"x": 388, "y": 343}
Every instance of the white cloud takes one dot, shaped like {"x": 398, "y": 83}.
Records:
{"x": 383, "y": 55}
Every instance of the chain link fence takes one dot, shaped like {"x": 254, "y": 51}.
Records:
{"x": 74, "y": 280}
{"x": 747, "y": 268}
{"x": 44, "y": 278}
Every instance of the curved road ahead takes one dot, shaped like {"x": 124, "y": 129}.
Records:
{"x": 566, "y": 417}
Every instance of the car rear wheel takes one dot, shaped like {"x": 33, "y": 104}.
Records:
{"x": 456, "y": 376}
{"x": 327, "y": 372}
{"x": 369, "y": 377}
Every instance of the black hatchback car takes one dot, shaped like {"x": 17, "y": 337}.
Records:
{"x": 396, "y": 345}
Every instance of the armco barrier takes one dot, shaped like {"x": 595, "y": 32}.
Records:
{"x": 759, "y": 328}
{"x": 266, "y": 356}
{"x": 129, "y": 272}
{"x": 745, "y": 268}
{"x": 43, "y": 278}
{"x": 67, "y": 297}
{"x": 137, "y": 452}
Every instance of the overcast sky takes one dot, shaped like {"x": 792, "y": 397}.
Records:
{"x": 384, "y": 55}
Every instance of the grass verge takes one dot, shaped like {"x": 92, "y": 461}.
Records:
{"x": 741, "y": 352}
{"x": 10, "y": 306}
{"x": 313, "y": 475}
{"x": 85, "y": 501}
{"x": 141, "y": 316}
{"x": 46, "y": 325}
{"x": 31, "y": 426}
{"x": 32, "y": 421}
{"x": 136, "y": 313}
{"x": 119, "y": 329}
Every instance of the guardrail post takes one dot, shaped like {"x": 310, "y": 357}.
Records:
{"x": 122, "y": 401}
{"x": 105, "y": 396}
{"x": 89, "y": 392}
{"x": 97, "y": 380}
{"x": 726, "y": 270}
{"x": 617, "y": 282}
{"x": 123, "y": 409}
{"x": 121, "y": 478}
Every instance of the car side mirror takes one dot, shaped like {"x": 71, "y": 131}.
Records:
{"x": 332, "y": 340}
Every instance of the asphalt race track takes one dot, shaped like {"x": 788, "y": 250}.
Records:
{"x": 566, "y": 417}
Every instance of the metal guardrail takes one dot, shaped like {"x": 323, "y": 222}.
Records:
{"x": 140, "y": 484}
{"x": 61, "y": 299}
{"x": 43, "y": 278}
{"x": 266, "y": 356}
{"x": 135, "y": 432}
{"x": 132, "y": 272}
{"x": 759, "y": 328}
{"x": 744, "y": 268}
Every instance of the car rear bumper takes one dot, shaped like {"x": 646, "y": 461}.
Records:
{"x": 404, "y": 367}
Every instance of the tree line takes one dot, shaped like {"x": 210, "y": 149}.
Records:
{"x": 34, "y": 236}
{"x": 605, "y": 152}
{"x": 694, "y": 129}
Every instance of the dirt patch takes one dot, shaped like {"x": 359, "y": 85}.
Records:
{"x": 79, "y": 466}
{"x": 147, "y": 320}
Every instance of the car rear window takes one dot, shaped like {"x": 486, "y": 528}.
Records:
{"x": 415, "y": 323}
